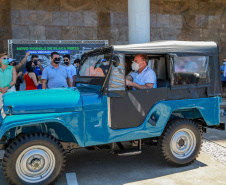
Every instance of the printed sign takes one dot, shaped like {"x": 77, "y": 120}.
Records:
{"x": 18, "y": 49}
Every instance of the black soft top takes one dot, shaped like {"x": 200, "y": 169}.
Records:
{"x": 175, "y": 47}
{"x": 180, "y": 48}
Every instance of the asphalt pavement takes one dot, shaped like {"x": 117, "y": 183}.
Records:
{"x": 103, "y": 168}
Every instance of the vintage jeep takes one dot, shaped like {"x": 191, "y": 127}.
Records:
{"x": 39, "y": 127}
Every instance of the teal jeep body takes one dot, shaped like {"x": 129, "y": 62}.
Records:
{"x": 99, "y": 112}
{"x": 83, "y": 118}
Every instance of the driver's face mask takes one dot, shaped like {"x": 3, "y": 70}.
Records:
{"x": 135, "y": 66}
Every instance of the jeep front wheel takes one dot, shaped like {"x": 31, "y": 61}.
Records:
{"x": 33, "y": 159}
{"x": 181, "y": 141}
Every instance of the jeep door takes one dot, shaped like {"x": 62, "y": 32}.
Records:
{"x": 128, "y": 108}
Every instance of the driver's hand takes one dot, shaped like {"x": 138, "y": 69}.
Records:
{"x": 129, "y": 83}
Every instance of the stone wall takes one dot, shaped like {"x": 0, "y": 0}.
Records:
{"x": 194, "y": 20}
{"x": 63, "y": 20}
{"x": 108, "y": 20}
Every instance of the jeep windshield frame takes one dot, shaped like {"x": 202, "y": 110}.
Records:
{"x": 89, "y": 71}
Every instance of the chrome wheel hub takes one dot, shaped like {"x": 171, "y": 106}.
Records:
{"x": 35, "y": 164}
{"x": 183, "y": 143}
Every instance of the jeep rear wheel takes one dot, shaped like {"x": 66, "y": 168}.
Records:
{"x": 181, "y": 142}
{"x": 33, "y": 159}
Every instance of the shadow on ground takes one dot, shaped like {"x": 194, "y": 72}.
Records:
{"x": 101, "y": 167}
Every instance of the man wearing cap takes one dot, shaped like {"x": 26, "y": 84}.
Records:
{"x": 143, "y": 77}
{"x": 55, "y": 75}
{"x": 104, "y": 66}
{"x": 71, "y": 69}
{"x": 12, "y": 62}
{"x": 223, "y": 78}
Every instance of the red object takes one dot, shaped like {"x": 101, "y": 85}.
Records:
{"x": 29, "y": 83}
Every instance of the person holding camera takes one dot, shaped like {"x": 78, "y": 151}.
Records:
{"x": 12, "y": 62}
{"x": 55, "y": 75}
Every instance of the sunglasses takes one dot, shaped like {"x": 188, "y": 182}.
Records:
{"x": 66, "y": 60}
{"x": 57, "y": 59}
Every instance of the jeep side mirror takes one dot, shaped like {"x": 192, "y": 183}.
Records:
{"x": 116, "y": 61}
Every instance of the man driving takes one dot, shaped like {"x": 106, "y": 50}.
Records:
{"x": 143, "y": 77}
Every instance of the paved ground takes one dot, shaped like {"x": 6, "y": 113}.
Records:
{"x": 100, "y": 167}
{"x": 216, "y": 136}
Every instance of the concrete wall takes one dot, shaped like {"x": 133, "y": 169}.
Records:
{"x": 108, "y": 19}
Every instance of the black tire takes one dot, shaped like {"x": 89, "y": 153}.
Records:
{"x": 174, "y": 142}
{"x": 42, "y": 144}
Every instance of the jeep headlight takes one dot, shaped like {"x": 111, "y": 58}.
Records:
{"x": 2, "y": 111}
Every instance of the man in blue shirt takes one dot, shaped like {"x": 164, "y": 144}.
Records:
{"x": 55, "y": 75}
{"x": 71, "y": 69}
{"x": 223, "y": 79}
{"x": 143, "y": 77}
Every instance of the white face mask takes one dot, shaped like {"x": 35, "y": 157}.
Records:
{"x": 105, "y": 63}
{"x": 224, "y": 63}
{"x": 135, "y": 66}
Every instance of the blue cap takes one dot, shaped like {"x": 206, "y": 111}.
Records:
{"x": 11, "y": 59}
{"x": 103, "y": 60}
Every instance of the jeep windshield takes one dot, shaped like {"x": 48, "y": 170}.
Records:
{"x": 94, "y": 69}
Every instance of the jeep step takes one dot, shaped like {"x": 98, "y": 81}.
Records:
{"x": 127, "y": 152}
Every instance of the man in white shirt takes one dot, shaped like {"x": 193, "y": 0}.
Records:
{"x": 143, "y": 77}
{"x": 71, "y": 69}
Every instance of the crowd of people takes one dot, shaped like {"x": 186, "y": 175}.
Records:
{"x": 35, "y": 75}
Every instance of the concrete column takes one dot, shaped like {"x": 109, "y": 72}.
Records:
{"x": 139, "y": 21}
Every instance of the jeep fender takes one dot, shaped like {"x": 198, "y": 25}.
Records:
{"x": 66, "y": 127}
{"x": 163, "y": 111}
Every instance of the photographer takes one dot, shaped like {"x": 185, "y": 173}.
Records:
{"x": 19, "y": 79}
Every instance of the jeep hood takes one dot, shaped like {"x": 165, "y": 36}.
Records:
{"x": 43, "y": 101}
